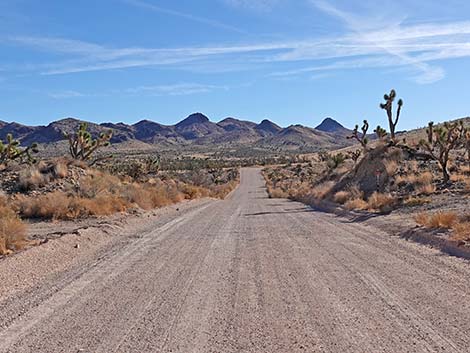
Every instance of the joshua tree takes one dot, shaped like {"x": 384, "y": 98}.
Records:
{"x": 380, "y": 132}
{"x": 362, "y": 138}
{"x": 82, "y": 145}
{"x": 441, "y": 140}
{"x": 334, "y": 161}
{"x": 355, "y": 155}
{"x": 10, "y": 150}
{"x": 388, "y": 107}
{"x": 467, "y": 143}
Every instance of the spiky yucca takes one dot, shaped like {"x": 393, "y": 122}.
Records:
{"x": 82, "y": 145}
{"x": 441, "y": 140}
{"x": 11, "y": 150}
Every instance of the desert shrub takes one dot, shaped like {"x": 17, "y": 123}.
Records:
{"x": 32, "y": 178}
{"x": 12, "y": 230}
{"x": 341, "y": 197}
{"x": 391, "y": 166}
{"x": 322, "y": 190}
{"x": 461, "y": 231}
{"x": 278, "y": 194}
{"x": 380, "y": 202}
{"x": 356, "y": 204}
{"x": 424, "y": 178}
{"x": 436, "y": 220}
{"x": 415, "y": 201}
{"x": 425, "y": 189}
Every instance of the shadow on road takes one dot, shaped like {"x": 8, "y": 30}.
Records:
{"x": 298, "y": 210}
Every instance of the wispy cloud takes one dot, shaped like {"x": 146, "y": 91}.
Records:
{"x": 372, "y": 32}
{"x": 65, "y": 94}
{"x": 187, "y": 16}
{"x": 179, "y": 89}
{"x": 415, "y": 47}
{"x": 257, "y": 5}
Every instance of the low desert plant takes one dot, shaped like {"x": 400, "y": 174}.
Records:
{"x": 391, "y": 166}
{"x": 356, "y": 204}
{"x": 461, "y": 232}
{"x": 320, "y": 191}
{"x": 342, "y": 197}
{"x": 12, "y": 230}
{"x": 380, "y": 202}
{"x": 425, "y": 189}
{"x": 415, "y": 201}
{"x": 437, "y": 220}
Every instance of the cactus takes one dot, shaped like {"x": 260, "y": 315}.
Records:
{"x": 466, "y": 143}
{"x": 334, "y": 161}
{"x": 355, "y": 155}
{"x": 380, "y": 132}
{"x": 388, "y": 107}
{"x": 440, "y": 141}
{"x": 362, "y": 138}
{"x": 10, "y": 150}
{"x": 82, "y": 145}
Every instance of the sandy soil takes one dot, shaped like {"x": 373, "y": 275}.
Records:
{"x": 247, "y": 274}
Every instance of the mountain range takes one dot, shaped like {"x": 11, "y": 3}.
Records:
{"x": 195, "y": 130}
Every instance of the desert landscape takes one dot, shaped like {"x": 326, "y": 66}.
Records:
{"x": 262, "y": 176}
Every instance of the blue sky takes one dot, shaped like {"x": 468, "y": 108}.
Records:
{"x": 289, "y": 61}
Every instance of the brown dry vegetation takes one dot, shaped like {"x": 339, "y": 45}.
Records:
{"x": 459, "y": 226}
{"x": 12, "y": 230}
{"x": 67, "y": 190}
{"x": 97, "y": 193}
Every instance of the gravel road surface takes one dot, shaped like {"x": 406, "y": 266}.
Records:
{"x": 248, "y": 274}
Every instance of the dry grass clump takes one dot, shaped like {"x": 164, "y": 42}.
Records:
{"x": 415, "y": 179}
{"x": 341, "y": 197}
{"x": 461, "y": 232}
{"x": 437, "y": 220}
{"x": 380, "y": 202}
{"x": 356, "y": 204}
{"x": 12, "y": 230}
{"x": 416, "y": 201}
{"x": 391, "y": 166}
{"x": 277, "y": 193}
{"x": 43, "y": 173}
{"x": 425, "y": 189}
{"x": 320, "y": 191}
{"x": 31, "y": 178}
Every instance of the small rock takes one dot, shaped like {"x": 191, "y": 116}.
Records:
{"x": 77, "y": 246}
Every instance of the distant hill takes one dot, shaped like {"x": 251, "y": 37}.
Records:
{"x": 332, "y": 126}
{"x": 195, "y": 130}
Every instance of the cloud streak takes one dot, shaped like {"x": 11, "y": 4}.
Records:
{"x": 186, "y": 16}
{"x": 179, "y": 89}
{"x": 418, "y": 47}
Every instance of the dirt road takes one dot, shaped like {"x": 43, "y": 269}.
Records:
{"x": 249, "y": 274}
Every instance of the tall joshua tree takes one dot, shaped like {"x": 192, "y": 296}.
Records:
{"x": 388, "y": 107}
{"x": 361, "y": 138}
{"x": 441, "y": 140}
